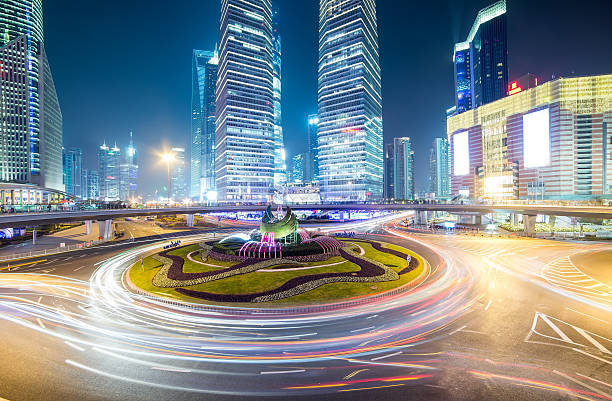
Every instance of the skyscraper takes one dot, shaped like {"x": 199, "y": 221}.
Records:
{"x": 30, "y": 116}
{"x": 128, "y": 174}
{"x": 89, "y": 186}
{"x": 313, "y": 147}
{"x": 481, "y": 62}
{"x": 350, "y": 130}
{"x": 109, "y": 162}
{"x": 389, "y": 180}
{"x": 73, "y": 169}
{"x": 403, "y": 169}
{"x": 297, "y": 171}
{"x": 203, "y": 105}
{"x": 177, "y": 174}
{"x": 244, "y": 150}
{"x": 439, "y": 168}
{"x": 280, "y": 165}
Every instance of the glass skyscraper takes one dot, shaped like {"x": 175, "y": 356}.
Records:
{"x": 403, "y": 169}
{"x": 313, "y": 147}
{"x": 280, "y": 165}
{"x": 203, "y": 108}
{"x": 109, "y": 167}
{"x": 73, "y": 169}
{"x": 439, "y": 168}
{"x": 30, "y": 116}
{"x": 244, "y": 150}
{"x": 350, "y": 130}
{"x": 481, "y": 62}
{"x": 129, "y": 173}
{"x": 177, "y": 175}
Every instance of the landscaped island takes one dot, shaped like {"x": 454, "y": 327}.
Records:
{"x": 277, "y": 264}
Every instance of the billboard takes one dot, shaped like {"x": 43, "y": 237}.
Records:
{"x": 461, "y": 154}
{"x": 536, "y": 139}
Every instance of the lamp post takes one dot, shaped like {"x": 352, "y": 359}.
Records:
{"x": 168, "y": 158}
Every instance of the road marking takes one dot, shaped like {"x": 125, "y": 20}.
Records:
{"x": 586, "y": 335}
{"x": 23, "y": 264}
{"x": 170, "y": 369}
{"x": 386, "y": 356}
{"x": 455, "y": 331}
{"x": 489, "y": 304}
{"x": 592, "y": 317}
{"x": 78, "y": 268}
{"x": 555, "y": 328}
{"x": 592, "y": 356}
{"x": 40, "y": 299}
{"x": 278, "y": 372}
{"x": 583, "y": 384}
{"x": 40, "y": 323}
{"x": 365, "y": 328}
{"x": 76, "y": 347}
{"x": 355, "y": 373}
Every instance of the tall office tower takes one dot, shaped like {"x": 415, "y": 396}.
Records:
{"x": 280, "y": 165}
{"x": 350, "y": 102}
{"x": 297, "y": 170}
{"x": 389, "y": 192}
{"x": 481, "y": 62}
{"x": 73, "y": 170}
{"x": 313, "y": 146}
{"x": 30, "y": 116}
{"x": 244, "y": 150}
{"x": 128, "y": 173}
{"x": 439, "y": 168}
{"x": 90, "y": 188}
{"x": 109, "y": 167}
{"x": 403, "y": 169}
{"x": 203, "y": 105}
{"x": 177, "y": 175}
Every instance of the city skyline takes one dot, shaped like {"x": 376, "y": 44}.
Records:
{"x": 161, "y": 112}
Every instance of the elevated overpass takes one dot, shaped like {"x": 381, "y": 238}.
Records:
{"x": 107, "y": 215}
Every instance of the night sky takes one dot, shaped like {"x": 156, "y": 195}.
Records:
{"x": 126, "y": 65}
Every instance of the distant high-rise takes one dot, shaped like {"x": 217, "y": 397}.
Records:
{"x": 73, "y": 169}
{"x": 129, "y": 173}
{"x": 439, "y": 168}
{"x": 313, "y": 148}
{"x": 244, "y": 150}
{"x": 89, "y": 186}
{"x": 481, "y": 62}
{"x": 109, "y": 162}
{"x": 389, "y": 182}
{"x": 30, "y": 116}
{"x": 297, "y": 171}
{"x": 203, "y": 108}
{"x": 177, "y": 175}
{"x": 403, "y": 169}
{"x": 350, "y": 130}
{"x": 280, "y": 165}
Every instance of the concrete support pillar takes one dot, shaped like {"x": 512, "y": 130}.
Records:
{"x": 190, "y": 220}
{"x": 529, "y": 222}
{"x": 34, "y": 237}
{"x": 106, "y": 229}
{"x": 87, "y": 227}
{"x": 552, "y": 220}
{"x": 420, "y": 217}
{"x": 514, "y": 220}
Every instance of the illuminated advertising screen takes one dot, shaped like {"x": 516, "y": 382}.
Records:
{"x": 461, "y": 154}
{"x": 536, "y": 139}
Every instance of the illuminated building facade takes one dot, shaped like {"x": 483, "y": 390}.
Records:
{"x": 481, "y": 62}
{"x": 313, "y": 148}
{"x": 109, "y": 167}
{"x": 128, "y": 173}
{"x": 244, "y": 149}
{"x": 177, "y": 175}
{"x": 280, "y": 165}
{"x": 89, "y": 186}
{"x": 403, "y": 169}
{"x": 30, "y": 116}
{"x": 439, "y": 174}
{"x": 297, "y": 170}
{"x": 73, "y": 169}
{"x": 553, "y": 141}
{"x": 203, "y": 109}
{"x": 389, "y": 193}
{"x": 350, "y": 129}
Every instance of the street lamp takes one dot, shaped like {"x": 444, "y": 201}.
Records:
{"x": 168, "y": 158}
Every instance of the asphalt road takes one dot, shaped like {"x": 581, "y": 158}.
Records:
{"x": 493, "y": 319}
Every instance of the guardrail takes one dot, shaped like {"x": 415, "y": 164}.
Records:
{"x": 50, "y": 251}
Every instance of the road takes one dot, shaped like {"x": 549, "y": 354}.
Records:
{"x": 494, "y": 319}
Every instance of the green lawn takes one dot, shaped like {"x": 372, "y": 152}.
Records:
{"x": 262, "y": 281}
